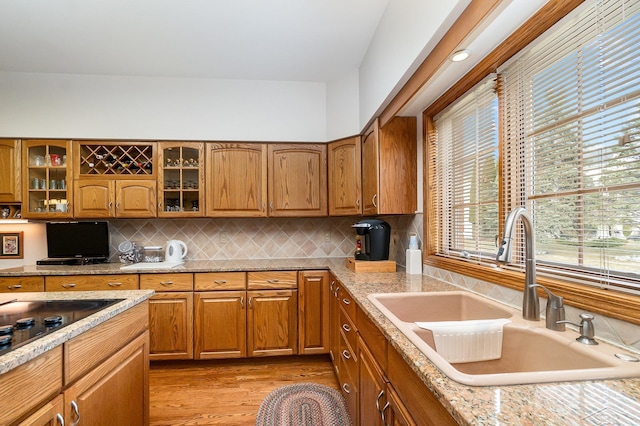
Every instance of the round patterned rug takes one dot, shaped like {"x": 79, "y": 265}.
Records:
{"x": 303, "y": 404}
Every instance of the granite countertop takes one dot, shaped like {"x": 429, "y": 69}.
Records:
{"x": 31, "y": 350}
{"x": 596, "y": 402}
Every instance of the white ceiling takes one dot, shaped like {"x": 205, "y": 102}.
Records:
{"x": 288, "y": 40}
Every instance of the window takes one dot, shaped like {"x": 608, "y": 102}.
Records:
{"x": 569, "y": 151}
{"x": 467, "y": 175}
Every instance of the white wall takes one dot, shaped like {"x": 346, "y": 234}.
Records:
{"x": 119, "y": 107}
{"x": 34, "y": 244}
{"x": 403, "y": 39}
{"x": 342, "y": 107}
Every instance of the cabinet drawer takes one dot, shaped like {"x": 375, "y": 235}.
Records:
{"x": 19, "y": 385}
{"x": 207, "y": 281}
{"x": 21, "y": 284}
{"x": 91, "y": 282}
{"x": 348, "y": 358}
{"x": 349, "y": 388}
{"x": 272, "y": 280}
{"x": 348, "y": 329}
{"x": 166, "y": 282}
{"x": 347, "y": 303}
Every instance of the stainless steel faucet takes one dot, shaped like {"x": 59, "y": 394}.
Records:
{"x": 555, "y": 313}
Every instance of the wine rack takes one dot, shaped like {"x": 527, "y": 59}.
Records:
{"x": 116, "y": 160}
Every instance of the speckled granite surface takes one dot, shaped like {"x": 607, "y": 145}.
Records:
{"x": 601, "y": 402}
{"x": 31, "y": 350}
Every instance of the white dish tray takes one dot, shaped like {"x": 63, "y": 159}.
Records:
{"x": 467, "y": 341}
{"x": 151, "y": 265}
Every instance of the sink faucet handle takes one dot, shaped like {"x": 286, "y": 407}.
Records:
{"x": 587, "y": 330}
{"x": 554, "y": 312}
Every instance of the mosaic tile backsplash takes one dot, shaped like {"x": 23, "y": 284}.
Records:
{"x": 261, "y": 238}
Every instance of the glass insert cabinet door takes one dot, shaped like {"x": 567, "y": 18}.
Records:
{"x": 47, "y": 189}
{"x": 181, "y": 179}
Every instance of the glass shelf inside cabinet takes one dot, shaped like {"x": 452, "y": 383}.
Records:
{"x": 47, "y": 179}
{"x": 181, "y": 179}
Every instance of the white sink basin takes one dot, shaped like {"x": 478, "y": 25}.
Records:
{"x": 530, "y": 352}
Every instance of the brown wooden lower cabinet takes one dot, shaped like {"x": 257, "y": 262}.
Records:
{"x": 171, "y": 326}
{"x": 220, "y": 324}
{"x": 21, "y": 284}
{"x": 313, "y": 312}
{"x": 98, "y": 378}
{"x": 272, "y": 320}
{"x": 114, "y": 393}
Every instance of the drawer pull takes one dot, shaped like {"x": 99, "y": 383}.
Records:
{"x": 346, "y": 301}
{"x": 346, "y": 388}
{"x": 70, "y": 285}
{"x": 114, "y": 284}
{"x": 165, "y": 283}
{"x": 384, "y": 410}
{"x": 273, "y": 281}
{"x": 60, "y": 419}
{"x": 14, "y": 287}
{"x": 76, "y": 411}
{"x": 380, "y": 395}
{"x": 346, "y": 354}
{"x": 346, "y": 327}
{"x": 220, "y": 281}
{"x": 242, "y": 302}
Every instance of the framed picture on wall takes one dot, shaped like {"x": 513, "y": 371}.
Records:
{"x": 11, "y": 247}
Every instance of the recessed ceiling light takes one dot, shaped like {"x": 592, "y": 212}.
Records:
{"x": 460, "y": 55}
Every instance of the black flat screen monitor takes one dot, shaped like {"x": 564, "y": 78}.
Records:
{"x": 78, "y": 239}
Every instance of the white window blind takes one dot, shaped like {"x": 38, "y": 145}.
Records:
{"x": 465, "y": 171}
{"x": 571, "y": 127}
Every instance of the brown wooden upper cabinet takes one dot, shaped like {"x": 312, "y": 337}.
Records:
{"x": 236, "y": 182}
{"x": 297, "y": 180}
{"x": 180, "y": 179}
{"x": 46, "y": 167}
{"x": 389, "y": 167}
{"x": 344, "y": 159}
{"x": 10, "y": 166}
{"x": 114, "y": 179}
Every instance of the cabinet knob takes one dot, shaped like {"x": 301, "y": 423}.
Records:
{"x": 346, "y": 388}
{"x": 346, "y": 327}
{"x": 60, "y": 419}
{"x": 70, "y": 285}
{"x": 220, "y": 281}
{"x": 346, "y": 354}
{"x": 114, "y": 284}
{"x": 346, "y": 301}
{"x": 14, "y": 287}
{"x": 166, "y": 283}
{"x": 373, "y": 200}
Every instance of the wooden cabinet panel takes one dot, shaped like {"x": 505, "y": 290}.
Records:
{"x": 115, "y": 392}
{"x": 135, "y": 198}
{"x": 171, "y": 325}
{"x": 50, "y": 414}
{"x": 91, "y": 282}
{"x": 313, "y": 312}
{"x": 395, "y": 411}
{"x": 344, "y": 161}
{"x": 205, "y": 281}
{"x": 389, "y": 167}
{"x": 373, "y": 338}
{"x": 236, "y": 180}
{"x": 94, "y": 199}
{"x": 21, "y": 284}
{"x": 272, "y": 280}
{"x": 334, "y": 320}
{"x": 19, "y": 385}
{"x": 417, "y": 398}
{"x": 372, "y": 388}
{"x": 10, "y": 171}
{"x": 221, "y": 325}
{"x": 167, "y": 282}
{"x": 272, "y": 322}
{"x": 297, "y": 180}
{"x": 86, "y": 351}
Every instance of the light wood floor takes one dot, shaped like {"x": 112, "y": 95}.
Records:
{"x": 226, "y": 392}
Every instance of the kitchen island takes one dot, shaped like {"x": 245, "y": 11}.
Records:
{"x": 84, "y": 369}
{"x": 577, "y": 403}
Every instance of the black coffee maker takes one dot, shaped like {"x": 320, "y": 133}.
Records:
{"x": 376, "y": 235}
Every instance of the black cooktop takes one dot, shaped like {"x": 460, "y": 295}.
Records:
{"x": 24, "y": 322}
